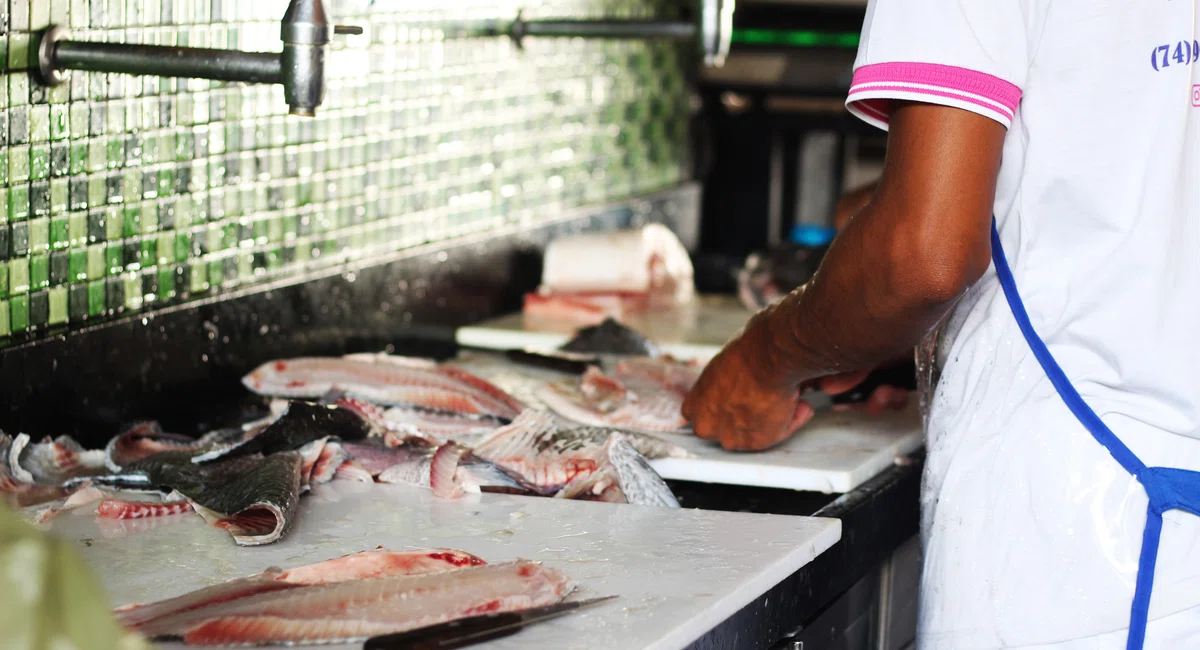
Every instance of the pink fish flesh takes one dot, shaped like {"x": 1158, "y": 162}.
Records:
{"x": 444, "y": 477}
{"x": 353, "y": 471}
{"x": 404, "y": 422}
{"x": 641, "y": 395}
{"x": 460, "y": 469}
{"x": 356, "y": 566}
{"x": 383, "y": 381}
{"x": 356, "y": 610}
{"x": 121, "y": 509}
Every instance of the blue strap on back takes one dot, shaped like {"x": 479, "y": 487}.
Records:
{"x": 1167, "y": 488}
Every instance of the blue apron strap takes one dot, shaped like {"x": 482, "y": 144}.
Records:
{"x": 1058, "y": 378}
{"x": 1140, "y": 613}
{"x": 1164, "y": 489}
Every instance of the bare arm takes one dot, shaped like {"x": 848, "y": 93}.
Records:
{"x": 894, "y": 271}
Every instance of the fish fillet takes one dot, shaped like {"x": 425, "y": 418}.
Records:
{"x": 536, "y": 447}
{"x": 356, "y": 566}
{"x": 644, "y": 395}
{"x": 381, "y": 381}
{"x": 358, "y": 609}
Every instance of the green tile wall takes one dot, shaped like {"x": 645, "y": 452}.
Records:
{"x": 120, "y": 193}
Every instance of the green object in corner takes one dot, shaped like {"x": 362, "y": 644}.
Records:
{"x": 50, "y": 598}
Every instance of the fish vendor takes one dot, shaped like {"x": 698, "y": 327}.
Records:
{"x": 1034, "y": 237}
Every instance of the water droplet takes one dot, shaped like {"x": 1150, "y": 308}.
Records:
{"x": 263, "y": 329}
{"x": 210, "y": 329}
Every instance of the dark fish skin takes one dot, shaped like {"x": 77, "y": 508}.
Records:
{"x": 258, "y": 506}
{"x": 611, "y": 337}
{"x": 144, "y": 439}
{"x": 300, "y": 424}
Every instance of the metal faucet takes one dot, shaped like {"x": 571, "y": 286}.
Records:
{"x": 300, "y": 67}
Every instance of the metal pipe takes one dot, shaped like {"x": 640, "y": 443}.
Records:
{"x": 604, "y": 29}
{"x": 169, "y": 61}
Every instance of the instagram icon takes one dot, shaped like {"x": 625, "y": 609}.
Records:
{"x": 1196, "y": 95}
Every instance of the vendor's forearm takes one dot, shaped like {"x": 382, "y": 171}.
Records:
{"x": 904, "y": 260}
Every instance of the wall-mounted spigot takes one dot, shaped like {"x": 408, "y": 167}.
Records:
{"x": 305, "y": 34}
{"x": 300, "y": 68}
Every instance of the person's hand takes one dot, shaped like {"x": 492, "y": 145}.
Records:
{"x": 739, "y": 401}
{"x": 882, "y": 399}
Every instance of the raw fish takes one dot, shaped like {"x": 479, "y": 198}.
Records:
{"x": 257, "y": 507}
{"x": 583, "y": 461}
{"x": 413, "y": 465}
{"x": 641, "y": 395}
{"x": 625, "y": 478}
{"x": 432, "y": 425}
{"x": 358, "y": 609}
{"x": 122, "y": 509}
{"x": 143, "y": 440}
{"x": 300, "y": 424}
{"x": 382, "y": 379}
{"x": 52, "y": 461}
{"x": 610, "y": 337}
{"x": 356, "y": 566}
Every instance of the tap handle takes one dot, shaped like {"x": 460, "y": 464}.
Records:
{"x": 347, "y": 29}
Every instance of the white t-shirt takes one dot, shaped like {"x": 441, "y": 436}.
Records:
{"x": 1032, "y": 531}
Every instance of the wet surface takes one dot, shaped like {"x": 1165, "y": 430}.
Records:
{"x": 677, "y": 572}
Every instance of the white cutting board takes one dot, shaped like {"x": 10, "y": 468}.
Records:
{"x": 835, "y": 453}
{"x": 695, "y": 331}
{"x": 677, "y": 573}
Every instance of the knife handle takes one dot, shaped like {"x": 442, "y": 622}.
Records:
{"x": 901, "y": 375}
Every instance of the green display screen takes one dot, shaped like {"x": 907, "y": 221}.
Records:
{"x": 794, "y": 38}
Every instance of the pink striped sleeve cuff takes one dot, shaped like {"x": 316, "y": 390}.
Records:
{"x": 874, "y": 87}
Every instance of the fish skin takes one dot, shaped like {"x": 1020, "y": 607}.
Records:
{"x": 382, "y": 380}
{"x": 300, "y": 424}
{"x": 355, "y": 610}
{"x": 252, "y": 497}
{"x": 363, "y": 565}
{"x": 142, "y": 440}
{"x": 20, "y": 494}
{"x": 53, "y": 461}
{"x": 610, "y": 337}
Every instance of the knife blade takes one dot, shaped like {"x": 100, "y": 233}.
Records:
{"x": 476, "y": 629}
